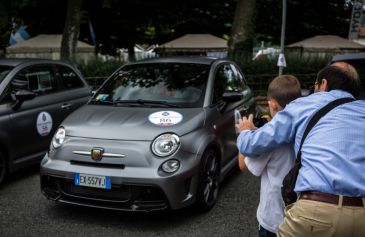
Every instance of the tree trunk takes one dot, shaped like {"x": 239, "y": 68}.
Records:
{"x": 242, "y": 27}
{"x": 131, "y": 53}
{"x": 71, "y": 31}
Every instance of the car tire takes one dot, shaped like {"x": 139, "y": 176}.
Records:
{"x": 3, "y": 166}
{"x": 208, "y": 186}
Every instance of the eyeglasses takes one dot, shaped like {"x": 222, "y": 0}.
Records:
{"x": 314, "y": 85}
{"x": 311, "y": 88}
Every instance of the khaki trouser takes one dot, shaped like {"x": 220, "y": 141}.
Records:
{"x": 311, "y": 218}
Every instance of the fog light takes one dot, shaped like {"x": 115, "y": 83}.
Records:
{"x": 170, "y": 166}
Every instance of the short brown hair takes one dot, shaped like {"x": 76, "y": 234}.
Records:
{"x": 284, "y": 89}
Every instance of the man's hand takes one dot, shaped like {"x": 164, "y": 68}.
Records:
{"x": 246, "y": 124}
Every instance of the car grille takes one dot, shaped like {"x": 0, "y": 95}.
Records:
{"x": 121, "y": 197}
{"x": 122, "y": 193}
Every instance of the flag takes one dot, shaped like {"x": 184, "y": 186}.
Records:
{"x": 19, "y": 36}
{"x": 92, "y": 33}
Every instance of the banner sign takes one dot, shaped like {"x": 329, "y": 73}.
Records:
{"x": 355, "y": 19}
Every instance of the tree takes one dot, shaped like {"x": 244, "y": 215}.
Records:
{"x": 242, "y": 28}
{"x": 304, "y": 19}
{"x": 71, "y": 31}
{"x": 124, "y": 23}
{"x": 121, "y": 24}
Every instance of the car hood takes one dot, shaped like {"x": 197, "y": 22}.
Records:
{"x": 131, "y": 123}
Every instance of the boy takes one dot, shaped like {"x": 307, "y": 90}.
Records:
{"x": 274, "y": 165}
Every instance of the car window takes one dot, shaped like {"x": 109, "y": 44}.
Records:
{"x": 39, "y": 79}
{"x": 240, "y": 81}
{"x": 182, "y": 84}
{"x": 4, "y": 70}
{"x": 68, "y": 78}
{"x": 226, "y": 79}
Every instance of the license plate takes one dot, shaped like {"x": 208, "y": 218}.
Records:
{"x": 94, "y": 181}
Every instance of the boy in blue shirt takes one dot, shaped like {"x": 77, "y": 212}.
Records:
{"x": 274, "y": 165}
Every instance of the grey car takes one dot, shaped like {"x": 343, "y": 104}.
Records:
{"x": 35, "y": 96}
{"x": 158, "y": 134}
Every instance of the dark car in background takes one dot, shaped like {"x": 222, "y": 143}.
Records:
{"x": 158, "y": 134}
{"x": 35, "y": 96}
{"x": 358, "y": 61}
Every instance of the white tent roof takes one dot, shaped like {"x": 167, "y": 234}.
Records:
{"x": 326, "y": 42}
{"x": 45, "y": 43}
{"x": 204, "y": 42}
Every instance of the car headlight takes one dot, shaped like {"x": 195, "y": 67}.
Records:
{"x": 59, "y": 137}
{"x": 165, "y": 145}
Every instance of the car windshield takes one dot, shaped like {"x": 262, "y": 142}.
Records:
{"x": 4, "y": 70}
{"x": 156, "y": 84}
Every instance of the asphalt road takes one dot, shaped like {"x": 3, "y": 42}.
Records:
{"x": 24, "y": 211}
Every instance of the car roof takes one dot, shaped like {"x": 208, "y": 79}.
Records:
{"x": 181, "y": 59}
{"x": 17, "y": 61}
{"x": 347, "y": 57}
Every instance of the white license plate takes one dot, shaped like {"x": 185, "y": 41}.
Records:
{"x": 94, "y": 181}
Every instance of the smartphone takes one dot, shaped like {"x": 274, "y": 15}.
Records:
{"x": 237, "y": 118}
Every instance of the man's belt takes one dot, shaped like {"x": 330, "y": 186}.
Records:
{"x": 330, "y": 198}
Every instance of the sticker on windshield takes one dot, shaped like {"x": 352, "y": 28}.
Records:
{"x": 165, "y": 118}
{"x": 44, "y": 123}
{"x": 102, "y": 97}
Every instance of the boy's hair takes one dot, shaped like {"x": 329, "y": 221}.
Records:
{"x": 283, "y": 89}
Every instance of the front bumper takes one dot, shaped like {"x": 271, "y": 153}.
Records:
{"x": 133, "y": 187}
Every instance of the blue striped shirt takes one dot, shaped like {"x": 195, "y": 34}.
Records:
{"x": 333, "y": 154}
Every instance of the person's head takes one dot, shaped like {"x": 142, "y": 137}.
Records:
{"x": 338, "y": 76}
{"x": 282, "y": 90}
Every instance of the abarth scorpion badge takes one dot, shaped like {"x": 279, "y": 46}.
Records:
{"x": 97, "y": 154}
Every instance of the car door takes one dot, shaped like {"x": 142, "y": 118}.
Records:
{"x": 35, "y": 121}
{"x": 229, "y": 79}
{"x": 74, "y": 90}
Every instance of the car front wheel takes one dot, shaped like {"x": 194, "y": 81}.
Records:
{"x": 208, "y": 181}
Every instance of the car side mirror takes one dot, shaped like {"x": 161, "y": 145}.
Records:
{"x": 232, "y": 96}
{"x": 20, "y": 96}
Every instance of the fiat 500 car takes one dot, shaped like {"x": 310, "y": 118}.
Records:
{"x": 35, "y": 96}
{"x": 158, "y": 134}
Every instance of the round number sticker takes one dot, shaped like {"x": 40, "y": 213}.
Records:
{"x": 165, "y": 118}
{"x": 44, "y": 123}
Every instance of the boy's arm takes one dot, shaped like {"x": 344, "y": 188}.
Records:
{"x": 278, "y": 131}
{"x": 255, "y": 166}
{"x": 241, "y": 162}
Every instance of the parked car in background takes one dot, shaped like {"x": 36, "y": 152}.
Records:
{"x": 35, "y": 96}
{"x": 158, "y": 134}
{"x": 358, "y": 61}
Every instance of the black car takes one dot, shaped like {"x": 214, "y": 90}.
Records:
{"x": 158, "y": 134}
{"x": 357, "y": 60}
{"x": 35, "y": 96}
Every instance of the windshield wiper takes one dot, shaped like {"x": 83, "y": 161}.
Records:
{"x": 146, "y": 102}
{"x": 101, "y": 102}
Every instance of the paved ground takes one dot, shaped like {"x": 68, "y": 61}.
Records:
{"x": 24, "y": 211}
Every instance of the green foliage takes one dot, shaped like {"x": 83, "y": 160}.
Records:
{"x": 98, "y": 68}
{"x": 304, "y": 19}
{"x": 123, "y": 23}
{"x": 259, "y": 73}
{"x": 242, "y": 50}
{"x": 96, "y": 71}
